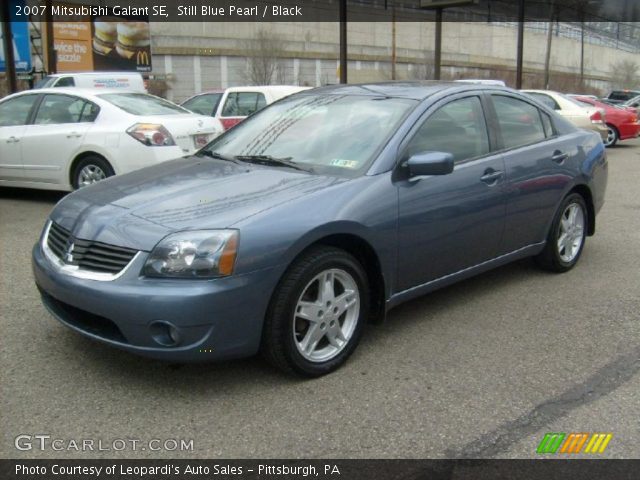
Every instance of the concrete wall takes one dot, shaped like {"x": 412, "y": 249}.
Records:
{"x": 200, "y": 56}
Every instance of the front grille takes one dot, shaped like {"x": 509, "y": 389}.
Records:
{"x": 87, "y": 254}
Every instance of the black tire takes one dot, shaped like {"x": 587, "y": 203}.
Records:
{"x": 551, "y": 257}
{"x": 90, "y": 161}
{"x": 614, "y": 134}
{"x": 279, "y": 346}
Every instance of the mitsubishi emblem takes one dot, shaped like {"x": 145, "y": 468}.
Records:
{"x": 68, "y": 257}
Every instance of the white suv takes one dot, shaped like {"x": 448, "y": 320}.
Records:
{"x": 234, "y": 104}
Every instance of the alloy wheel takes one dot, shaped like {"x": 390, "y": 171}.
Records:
{"x": 90, "y": 174}
{"x": 571, "y": 232}
{"x": 326, "y": 315}
{"x": 611, "y": 137}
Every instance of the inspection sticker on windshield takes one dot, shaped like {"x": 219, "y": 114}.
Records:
{"x": 340, "y": 162}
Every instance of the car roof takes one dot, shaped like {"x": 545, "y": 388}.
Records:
{"x": 268, "y": 88}
{"x": 207, "y": 92}
{"x": 66, "y": 74}
{"x": 79, "y": 92}
{"x": 534, "y": 90}
{"x": 417, "y": 90}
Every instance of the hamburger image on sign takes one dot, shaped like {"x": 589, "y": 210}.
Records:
{"x": 134, "y": 41}
{"x": 105, "y": 36}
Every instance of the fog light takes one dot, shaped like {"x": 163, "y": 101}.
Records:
{"x": 165, "y": 334}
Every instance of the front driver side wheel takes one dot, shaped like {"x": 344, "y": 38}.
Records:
{"x": 567, "y": 236}
{"x": 317, "y": 313}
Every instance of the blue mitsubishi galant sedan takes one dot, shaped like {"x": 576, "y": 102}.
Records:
{"x": 289, "y": 232}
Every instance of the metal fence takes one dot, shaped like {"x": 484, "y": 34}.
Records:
{"x": 620, "y": 35}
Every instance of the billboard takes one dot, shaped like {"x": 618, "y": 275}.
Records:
{"x": 21, "y": 41}
{"x": 102, "y": 43}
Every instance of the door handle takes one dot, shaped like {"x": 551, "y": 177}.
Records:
{"x": 74, "y": 135}
{"x": 491, "y": 177}
{"x": 559, "y": 157}
{"x": 13, "y": 140}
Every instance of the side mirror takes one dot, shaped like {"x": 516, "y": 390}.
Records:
{"x": 430, "y": 163}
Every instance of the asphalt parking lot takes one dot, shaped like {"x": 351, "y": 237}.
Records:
{"x": 480, "y": 369}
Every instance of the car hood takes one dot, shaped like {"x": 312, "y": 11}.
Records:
{"x": 137, "y": 209}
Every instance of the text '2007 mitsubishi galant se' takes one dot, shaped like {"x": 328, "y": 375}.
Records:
{"x": 321, "y": 212}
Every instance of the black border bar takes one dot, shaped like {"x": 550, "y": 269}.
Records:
{"x": 545, "y": 468}
{"x": 625, "y": 11}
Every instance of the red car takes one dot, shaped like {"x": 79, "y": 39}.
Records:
{"x": 621, "y": 122}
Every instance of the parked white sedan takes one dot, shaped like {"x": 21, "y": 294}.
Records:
{"x": 66, "y": 138}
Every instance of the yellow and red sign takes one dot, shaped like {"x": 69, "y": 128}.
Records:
{"x": 102, "y": 43}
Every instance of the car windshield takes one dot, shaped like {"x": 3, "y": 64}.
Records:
{"x": 142, "y": 104}
{"x": 45, "y": 82}
{"x": 205, "y": 104}
{"x": 332, "y": 134}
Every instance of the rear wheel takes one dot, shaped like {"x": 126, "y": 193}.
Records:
{"x": 612, "y": 136}
{"x": 89, "y": 170}
{"x": 567, "y": 236}
{"x": 317, "y": 313}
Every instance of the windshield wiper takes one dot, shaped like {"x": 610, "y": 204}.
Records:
{"x": 273, "y": 161}
{"x": 217, "y": 155}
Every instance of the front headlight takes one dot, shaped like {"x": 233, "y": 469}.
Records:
{"x": 194, "y": 254}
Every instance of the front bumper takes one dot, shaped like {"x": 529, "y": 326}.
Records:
{"x": 602, "y": 130}
{"x": 629, "y": 130}
{"x": 214, "y": 319}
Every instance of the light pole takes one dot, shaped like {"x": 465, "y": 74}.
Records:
{"x": 439, "y": 6}
{"x": 520, "y": 47}
{"x": 343, "y": 41}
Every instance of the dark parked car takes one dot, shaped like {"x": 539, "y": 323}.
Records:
{"x": 317, "y": 214}
{"x": 620, "y": 96}
{"x": 632, "y": 105}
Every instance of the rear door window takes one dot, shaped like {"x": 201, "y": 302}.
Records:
{"x": 520, "y": 122}
{"x": 58, "y": 109}
{"x": 545, "y": 100}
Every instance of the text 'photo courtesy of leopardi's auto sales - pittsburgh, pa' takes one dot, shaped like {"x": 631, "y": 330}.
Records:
{"x": 342, "y": 213}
